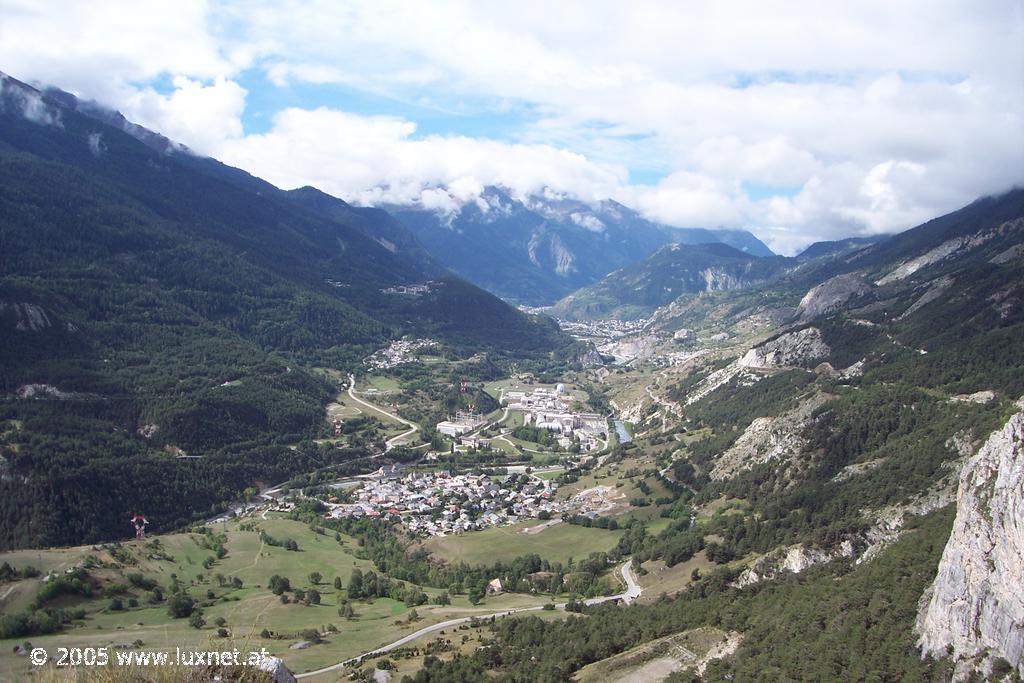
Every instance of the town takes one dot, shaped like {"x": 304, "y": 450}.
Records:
{"x": 442, "y": 503}
{"x": 397, "y": 353}
{"x": 439, "y": 503}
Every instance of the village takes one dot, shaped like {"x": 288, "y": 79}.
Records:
{"x": 397, "y": 353}
{"x": 439, "y": 503}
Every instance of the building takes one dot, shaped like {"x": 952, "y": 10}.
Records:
{"x": 462, "y": 423}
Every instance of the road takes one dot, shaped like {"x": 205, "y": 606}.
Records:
{"x": 631, "y": 593}
{"x": 393, "y": 441}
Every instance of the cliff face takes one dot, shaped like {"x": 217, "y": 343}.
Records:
{"x": 791, "y": 349}
{"x": 832, "y": 295}
{"x": 976, "y": 605}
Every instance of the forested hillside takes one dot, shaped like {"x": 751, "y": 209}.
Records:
{"x": 153, "y": 303}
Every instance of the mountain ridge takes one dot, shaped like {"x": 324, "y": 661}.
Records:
{"x": 538, "y": 249}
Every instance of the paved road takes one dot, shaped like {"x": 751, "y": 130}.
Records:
{"x": 631, "y": 593}
{"x": 392, "y": 442}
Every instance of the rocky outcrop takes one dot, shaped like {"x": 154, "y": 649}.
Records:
{"x": 42, "y": 391}
{"x": 975, "y": 607}
{"x": 769, "y": 439}
{"x": 935, "y": 290}
{"x": 794, "y": 559}
{"x": 591, "y": 357}
{"x": 953, "y": 248}
{"x": 27, "y": 317}
{"x": 277, "y": 669}
{"x": 799, "y": 348}
{"x": 832, "y": 295}
{"x": 683, "y": 336}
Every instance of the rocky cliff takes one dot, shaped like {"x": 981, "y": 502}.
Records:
{"x": 798, "y": 348}
{"x": 833, "y": 295}
{"x": 975, "y": 608}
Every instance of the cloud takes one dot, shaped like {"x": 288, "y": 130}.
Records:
{"x": 204, "y": 117}
{"x": 872, "y": 115}
{"x": 377, "y": 159}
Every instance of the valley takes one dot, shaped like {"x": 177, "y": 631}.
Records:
{"x": 676, "y": 455}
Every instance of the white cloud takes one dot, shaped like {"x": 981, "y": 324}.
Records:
{"x": 377, "y": 160}
{"x": 881, "y": 114}
{"x": 201, "y": 116}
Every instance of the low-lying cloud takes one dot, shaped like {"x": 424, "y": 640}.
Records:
{"x": 815, "y": 121}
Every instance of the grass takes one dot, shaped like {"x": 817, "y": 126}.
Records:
{"x": 502, "y": 444}
{"x": 556, "y": 543}
{"x": 247, "y": 610}
{"x": 381, "y": 383}
{"x": 661, "y": 579}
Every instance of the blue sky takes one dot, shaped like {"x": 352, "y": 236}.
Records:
{"x": 812, "y": 121}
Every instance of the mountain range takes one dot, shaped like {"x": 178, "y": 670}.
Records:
{"x": 822, "y": 478}
{"x": 537, "y": 249}
{"x": 674, "y": 276}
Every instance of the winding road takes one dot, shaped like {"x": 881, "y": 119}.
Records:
{"x": 393, "y": 441}
{"x": 631, "y": 593}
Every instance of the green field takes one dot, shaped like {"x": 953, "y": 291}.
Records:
{"x": 379, "y": 382}
{"x": 556, "y": 543}
{"x": 247, "y": 611}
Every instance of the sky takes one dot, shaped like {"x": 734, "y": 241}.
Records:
{"x": 799, "y": 121}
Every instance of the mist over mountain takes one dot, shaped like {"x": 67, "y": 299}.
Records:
{"x": 540, "y": 248}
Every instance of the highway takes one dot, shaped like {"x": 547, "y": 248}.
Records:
{"x": 631, "y": 593}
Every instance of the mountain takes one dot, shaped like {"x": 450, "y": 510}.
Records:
{"x": 832, "y": 248}
{"x": 964, "y": 247}
{"x": 156, "y": 302}
{"x": 674, "y": 271}
{"x": 539, "y": 249}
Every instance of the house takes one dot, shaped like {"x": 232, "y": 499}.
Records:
{"x": 494, "y": 586}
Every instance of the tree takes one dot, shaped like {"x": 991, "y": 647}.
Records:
{"x": 279, "y": 584}
{"x": 196, "y": 620}
{"x": 315, "y": 577}
{"x": 313, "y": 595}
{"x": 355, "y": 584}
{"x": 337, "y": 583}
{"x": 180, "y": 606}
{"x": 346, "y": 611}
{"x": 116, "y": 605}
